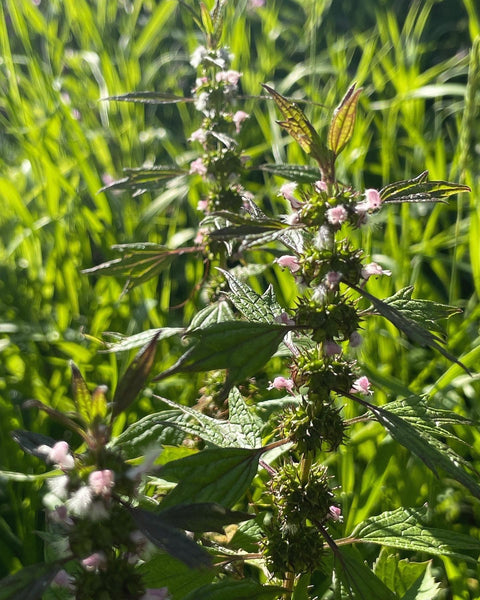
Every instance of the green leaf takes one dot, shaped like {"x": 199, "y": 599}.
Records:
{"x": 419, "y": 189}
{"x": 162, "y": 570}
{"x": 213, "y": 313}
{"x": 242, "y": 430}
{"x": 236, "y": 590}
{"x": 402, "y": 529}
{"x": 262, "y": 309}
{"x": 357, "y": 578}
{"x": 134, "y": 378}
{"x": 149, "y": 98}
{"x": 302, "y": 131}
{"x": 417, "y": 437}
{"x": 125, "y": 343}
{"x": 214, "y": 475}
{"x": 155, "y": 430}
{"x": 398, "y": 575}
{"x": 81, "y": 395}
{"x": 30, "y": 441}
{"x": 141, "y": 179}
{"x": 424, "y": 588}
{"x": 170, "y": 539}
{"x": 343, "y": 121}
{"x": 424, "y": 312}
{"x": 239, "y": 346}
{"x": 29, "y": 583}
{"x": 413, "y": 330}
{"x": 298, "y": 173}
{"x": 139, "y": 263}
{"x": 202, "y": 516}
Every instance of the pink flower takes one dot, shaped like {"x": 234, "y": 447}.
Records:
{"x": 59, "y": 454}
{"x": 230, "y": 77}
{"x": 101, "y": 482}
{"x": 252, "y": 4}
{"x": 337, "y": 215}
{"x": 63, "y": 579}
{"x": 199, "y": 135}
{"x": 372, "y": 202}
{"x": 355, "y": 339}
{"x": 198, "y": 167}
{"x": 331, "y": 348}
{"x": 361, "y": 386}
{"x": 202, "y": 205}
{"x": 288, "y": 261}
{"x": 281, "y": 383}
{"x": 332, "y": 279}
{"x": 95, "y": 561}
{"x": 335, "y": 513}
{"x": 238, "y": 118}
{"x": 285, "y": 319}
{"x": 287, "y": 191}
{"x": 320, "y": 186}
{"x": 373, "y": 268}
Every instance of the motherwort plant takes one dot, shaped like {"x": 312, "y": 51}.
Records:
{"x": 237, "y": 496}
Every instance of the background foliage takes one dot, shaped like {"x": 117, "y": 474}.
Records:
{"x": 60, "y": 144}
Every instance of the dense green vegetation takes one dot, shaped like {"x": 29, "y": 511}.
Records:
{"x": 61, "y": 142}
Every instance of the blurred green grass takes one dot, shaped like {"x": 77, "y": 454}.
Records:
{"x": 60, "y": 143}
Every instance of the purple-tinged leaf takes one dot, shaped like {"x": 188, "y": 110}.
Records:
{"x": 134, "y": 378}
{"x": 343, "y": 121}
{"x": 419, "y": 189}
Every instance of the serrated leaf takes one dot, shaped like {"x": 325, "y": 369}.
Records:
{"x": 242, "y": 231}
{"x": 130, "y": 342}
{"x": 419, "y": 189}
{"x": 413, "y": 330}
{"x": 236, "y": 590}
{"x": 29, "y": 583}
{"x": 134, "y": 378}
{"x": 262, "y": 309}
{"x": 141, "y": 179}
{"x": 239, "y": 346}
{"x": 298, "y": 173}
{"x": 215, "y": 431}
{"x": 213, "y": 313}
{"x": 162, "y": 570}
{"x": 170, "y": 539}
{"x": 139, "y": 263}
{"x": 424, "y": 588}
{"x": 420, "y": 442}
{"x": 149, "y": 98}
{"x": 243, "y": 417}
{"x": 302, "y": 131}
{"x": 81, "y": 394}
{"x": 358, "y": 580}
{"x": 343, "y": 121}
{"x": 214, "y": 475}
{"x": 423, "y": 312}
{"x": 155, "y": 430}
{"x": 403, "y": 529}
{"x": 202, "y": 516}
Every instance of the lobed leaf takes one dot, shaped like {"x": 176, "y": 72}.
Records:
{"x": 417, "y": 437}
{"x": 218, "y": 312}
{"x": 424, "y": 588}
{"x": 410, "y": 327}
{"x": 262, "y": 309}
{"x": 419, "y": 189}
{"x": 403, "y": 529}
{"x": 343, "y": 121}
